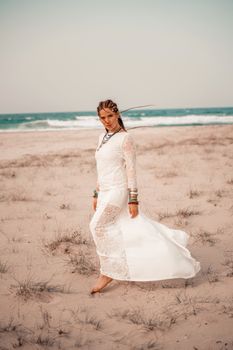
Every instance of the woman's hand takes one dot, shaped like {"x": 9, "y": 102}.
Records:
{"x": 94, "y": 203}
{"x": 133, "y": 210}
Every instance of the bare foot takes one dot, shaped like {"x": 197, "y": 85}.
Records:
{"x": 101, "y": 282}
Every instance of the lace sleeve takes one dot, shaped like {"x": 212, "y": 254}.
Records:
{"x": 129, "y": 155}
{"x": 97, "y": 146}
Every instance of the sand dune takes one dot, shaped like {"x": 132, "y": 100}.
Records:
{"x": 48, "y": 262}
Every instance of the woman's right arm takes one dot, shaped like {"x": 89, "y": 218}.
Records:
{"x": 95, "y": 199}
{"x": 95, "y": 196}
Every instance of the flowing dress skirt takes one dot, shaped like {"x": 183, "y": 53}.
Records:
{"x": 137, "y": 249}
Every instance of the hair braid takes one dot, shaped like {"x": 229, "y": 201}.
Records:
{"x": 113, "y": 106}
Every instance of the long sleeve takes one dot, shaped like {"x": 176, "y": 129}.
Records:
{"x": 129, "y": 155}
{"x": 99, "y": 141}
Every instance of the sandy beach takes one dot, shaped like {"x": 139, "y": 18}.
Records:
{"x": 48, "y": 261}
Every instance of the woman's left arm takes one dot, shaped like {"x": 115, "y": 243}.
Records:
{"x": 129, "y": 155}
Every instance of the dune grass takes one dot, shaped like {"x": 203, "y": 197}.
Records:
{"x": 30, "y": 288}
{"x": 137, "y": 317}
{"x": 81, "y": 263}
{"x": 204, "y": 237}
{"x": 70, "y": 236}
{"x": 180, "y": 213}
{"x": 4, "y": 267}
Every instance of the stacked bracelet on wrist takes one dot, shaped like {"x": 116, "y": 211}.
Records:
{"x": 133, "y": 196}
{"x": 95, "y": 194}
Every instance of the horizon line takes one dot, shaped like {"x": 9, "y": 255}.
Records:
{"x": 89, "y": 110}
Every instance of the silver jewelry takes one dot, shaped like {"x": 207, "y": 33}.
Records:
{"x": 107, "y": 137}
{"x": 133, "y": 195}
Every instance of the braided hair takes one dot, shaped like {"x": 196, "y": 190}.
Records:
{"x": 113, "y": 107}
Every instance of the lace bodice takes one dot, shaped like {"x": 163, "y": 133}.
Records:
{"x": 116, "y": 162}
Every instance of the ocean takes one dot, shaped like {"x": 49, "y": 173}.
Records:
{"x": 132, "y": 118}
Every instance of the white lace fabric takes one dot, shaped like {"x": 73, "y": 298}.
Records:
{"x": 138, "y": 249}
{"x": 116, "y": 162}
{"x": 109, "y": 241}
{"x": 129, "y": 156}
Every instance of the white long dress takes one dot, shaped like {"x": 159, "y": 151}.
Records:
{"x": 132, "y": 249}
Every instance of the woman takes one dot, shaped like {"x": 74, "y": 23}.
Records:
{"x": 130, "y": 246}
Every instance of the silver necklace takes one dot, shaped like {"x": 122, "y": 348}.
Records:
{"x": 107, "y": 137}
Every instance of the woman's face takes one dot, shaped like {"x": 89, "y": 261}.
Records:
{"x": 109, "y": 119}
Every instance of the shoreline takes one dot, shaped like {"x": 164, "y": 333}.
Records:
{"x": 3, "y": 131}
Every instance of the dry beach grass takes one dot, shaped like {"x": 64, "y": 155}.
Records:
{"x": 48, "y": 262}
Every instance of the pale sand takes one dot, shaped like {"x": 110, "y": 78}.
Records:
{"x": 46, "y": 184}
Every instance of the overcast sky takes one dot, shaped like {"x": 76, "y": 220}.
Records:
{"x": 67, "y": 55}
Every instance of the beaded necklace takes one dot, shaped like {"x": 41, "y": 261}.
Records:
{"x": 107, "y": 137}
